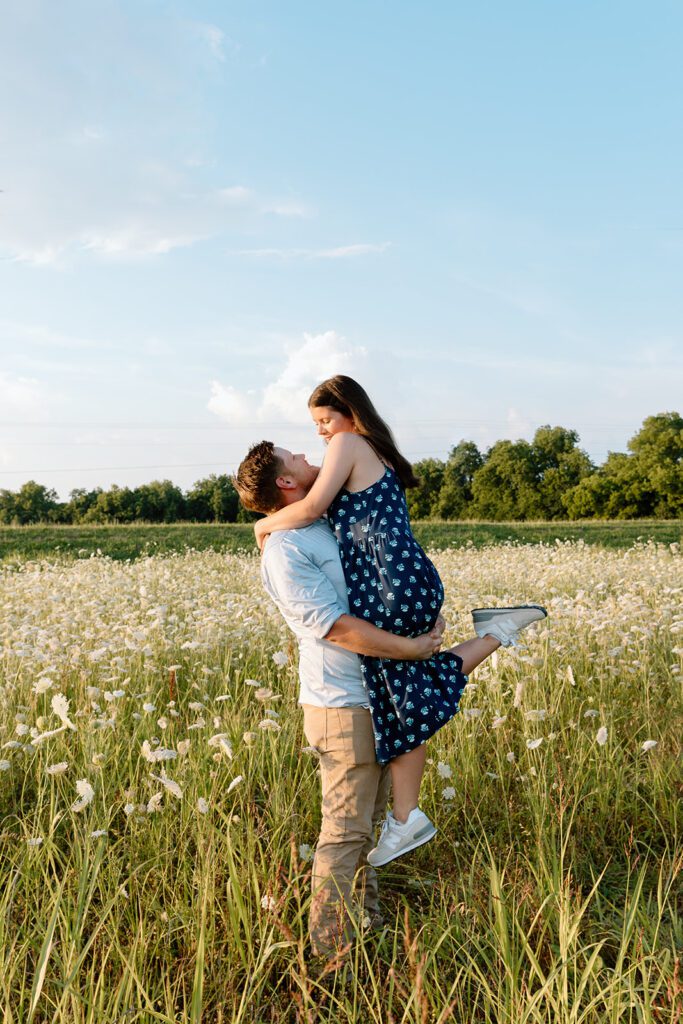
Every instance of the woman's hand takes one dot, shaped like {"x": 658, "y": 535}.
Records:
{"x": 261, "y": 532}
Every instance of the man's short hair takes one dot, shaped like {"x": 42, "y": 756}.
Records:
{"x": 256, "y": 476}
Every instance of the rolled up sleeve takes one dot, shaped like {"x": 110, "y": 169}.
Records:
{"x": 300, "y": 589}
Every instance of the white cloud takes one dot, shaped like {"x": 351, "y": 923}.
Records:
{"x": 285, "y": 398}
{"x": 230, "y": 404}
{"x": 22, "y": 397}
{"x": 518, "y": 425}
{"x": 214, "y": 38}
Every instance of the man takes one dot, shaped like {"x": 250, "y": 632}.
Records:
{"x": 302, "y": 572}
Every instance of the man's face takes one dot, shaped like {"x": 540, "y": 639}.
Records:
{"x": 296, "y": 468}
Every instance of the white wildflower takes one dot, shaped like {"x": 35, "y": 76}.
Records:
{"x": 221, "y": 740}
{"x": 35, "y": 841}
{"x": 268, "y": 903}
{"x": 519, "y": 692}
{"x": 168, "y": 784}
{"x": 263, "y": 694}
{"x": 154, "y": 803}
{"x": 202, "y": 805}
{"x": 248, "y": 738}
{"x": 196, "y": 705}
{"x": 649, "y": 745}
{"x": 42, "y": 685}
{"x": 601, "y": 736}
{"x": 86, "y": 795}
{"x": 280, "y": 659}
{"x": 269, "y": 724}
{"x": 57, "y": 769}
{"x": 183, "y": 747}
{"x": 570, "y": 675}
{"x": 444, "y": 770}
{"x": 5, "y": 766}
{"x": 149, "y": 707}
{"x": 537, "y": 715}
{"x": 128, "y": 809}
{"x": 305, "y": 852}
{"x": 160, "y": 754}
{"x": 591, "y": 713}
{"x": 448, "y": 793}
{"x": 533, "y": 744}
{"x": 235, "y": 782}
{"x": 252, "y": 682}
{"x": 510, "y": 757}
{"x": 60, "y": 706}
{"x": 98, "y": 833}
{"x": 498, "y": 721}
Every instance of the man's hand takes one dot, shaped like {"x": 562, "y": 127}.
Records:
{"x": 423, "y": 647}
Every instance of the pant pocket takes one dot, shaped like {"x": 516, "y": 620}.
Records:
{"x": 315, "y": 727}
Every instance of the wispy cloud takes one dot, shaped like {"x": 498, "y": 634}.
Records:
{"x": 337, "y": 253}
{"x": 23, "y": 334}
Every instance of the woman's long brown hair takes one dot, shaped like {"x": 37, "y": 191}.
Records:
{"x": 347, "y": 396}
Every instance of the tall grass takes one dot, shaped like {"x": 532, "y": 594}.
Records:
{"x": 551, "y": 893}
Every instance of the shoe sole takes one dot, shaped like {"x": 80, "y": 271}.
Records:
{"x": 514, "y": 608}
{"x": 406, "y": 849}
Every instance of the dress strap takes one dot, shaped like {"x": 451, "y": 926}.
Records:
{"x": 384, "y": 463}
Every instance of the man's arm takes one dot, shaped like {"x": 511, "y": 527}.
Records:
{"x": 306, "y": 596}
{"x": 362, "y": 637}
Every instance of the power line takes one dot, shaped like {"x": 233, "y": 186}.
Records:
{"x": 178, "y": 425}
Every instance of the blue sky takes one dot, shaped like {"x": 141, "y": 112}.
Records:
{"x": 475, "y": 209}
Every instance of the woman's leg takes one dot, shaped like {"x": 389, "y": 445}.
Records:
{"x": 407, "y": 769}
{"x": 474, "y": 651}
{"x": 406, "y": 776}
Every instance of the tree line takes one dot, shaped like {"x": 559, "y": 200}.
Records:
{"x": 547, "y": 478}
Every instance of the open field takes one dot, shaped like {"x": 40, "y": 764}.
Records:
{"x": 132, "y": 541}
{"x": 157, "y": 817}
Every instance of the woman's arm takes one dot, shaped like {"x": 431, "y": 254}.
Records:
{"x": 339, "y": 461}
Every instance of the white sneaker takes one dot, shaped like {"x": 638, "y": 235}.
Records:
{"x": 506, "y": 623}
{"x": 397, "y": 838}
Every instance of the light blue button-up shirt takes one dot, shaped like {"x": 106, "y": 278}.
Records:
{"x": 302, "y": 572}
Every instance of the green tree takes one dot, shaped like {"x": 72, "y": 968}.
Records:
{"x": 159, "y": 502}
{"x": 423, "y": 500}
{"x": 32, "y": 503}
{"x": 455, "y": 495}
{"x": 213, "y": 500}
{"x": 560, "y": 466}
{"x": 117, "y": 505}
{"x": 505, "y": 487}
{"x": 646, "y": 483}
{"x": 80, "y": 502}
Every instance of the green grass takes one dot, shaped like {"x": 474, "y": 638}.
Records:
{"x": 122, "y": 542}
{"x": 551, "y": 894}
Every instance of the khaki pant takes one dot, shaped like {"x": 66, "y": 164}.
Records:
{"x": 355, "y": 790}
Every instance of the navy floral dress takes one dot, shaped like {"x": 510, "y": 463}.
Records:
{"x": 391, "y": 583}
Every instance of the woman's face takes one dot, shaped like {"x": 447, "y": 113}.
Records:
{"x": 330, "y": 422}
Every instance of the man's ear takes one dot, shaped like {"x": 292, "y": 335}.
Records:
{"x": 285, "y": 483}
